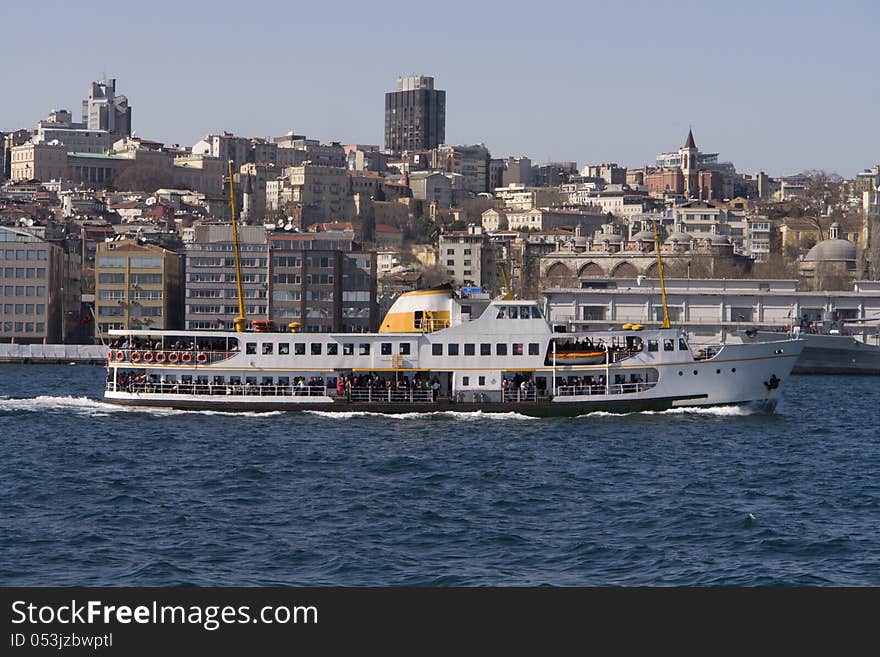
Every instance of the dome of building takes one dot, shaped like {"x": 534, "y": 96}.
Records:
{"x": 831, "y": 250}
{"x": 613, "y": 238}
{"x": 679, "y": 237}
{"x": 720, "y": 239}
{"x": 643, "y": 236}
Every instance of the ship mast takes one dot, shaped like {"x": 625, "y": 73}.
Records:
{"x": 662, "y": 279}
{"x": 239, "y": 322}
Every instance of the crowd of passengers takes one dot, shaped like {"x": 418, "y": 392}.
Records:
{"x": 345, "y": 384}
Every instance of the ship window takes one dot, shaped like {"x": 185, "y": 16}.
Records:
{"x": 267, "y": 348}
{"x": 502, "y": 313}
{"x": 186, "y": 378}
{"x": 283, "y": 348}
{"x": 652, "y": 345}
{"x": 517, "y": 349}
{"x": 482, "y": 380}
{"x": 348, "y": 349}
{"x": 299, "y": 348}
{"x": 250, "y": 348}
{"x": 364, "y": 349}
{"x": 469, "y": 349}
{"x": 733, "y": 369}
{"x": 536, "y": 312}
{"x": 251, "y": 381}
{"x": 452, "y": 350}
{"x": 682, "y": 345}
{"x": 404, "y": 348}
{"x": 332, "y": 349}
{"x": 235, "y": 380}
{"x": 513, "y": 312}
{"x": 485, "y": 349}
{"x": 267, "y": 380}
{"x": 316, "y": 349}
{"x": 501, "y": 349}
{"x": 436, "y": 349}
{"x": 284, "y": 380}
{"x": 385, "y": 348}
{"x": 668, "y": 345}
{"x": 465, "y": 380}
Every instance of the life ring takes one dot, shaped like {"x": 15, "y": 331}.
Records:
{"x": 160, "y": 357}
{"x": 135, "y": 357}
{"x": 186, "y": 357}
{"x": 148, "y": 356}
{"x": 111, "y": 355}
{"x": 173, "y": 357}
{"x": 120, "y": 356}
{"x": 202, "y": 358}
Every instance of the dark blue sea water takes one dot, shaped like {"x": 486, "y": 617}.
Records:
{"x": 97, "y": 495}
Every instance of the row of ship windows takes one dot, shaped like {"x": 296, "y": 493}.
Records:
{"x": 317, "y": 348}
{"x": 387, "y": 349}
{"x": 516, "y": 349}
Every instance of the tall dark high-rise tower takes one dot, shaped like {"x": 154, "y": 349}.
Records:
{"x": 415, "y": 115}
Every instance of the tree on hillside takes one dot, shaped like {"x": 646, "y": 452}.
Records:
{"x": 824, "y": 194}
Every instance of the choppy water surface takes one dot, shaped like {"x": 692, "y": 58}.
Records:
{"x": 98, "y": 495}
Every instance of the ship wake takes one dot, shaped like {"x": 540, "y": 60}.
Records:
{"x": 96, "y": 408}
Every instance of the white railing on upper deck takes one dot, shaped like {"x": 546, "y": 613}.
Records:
{"x": 599, "y": 389}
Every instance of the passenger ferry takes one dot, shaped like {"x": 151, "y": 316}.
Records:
{"x": 433, "y": 354}
{"x": 430, "y": 354}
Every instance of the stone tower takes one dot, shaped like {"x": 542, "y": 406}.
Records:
{"x": 690, "y": 166}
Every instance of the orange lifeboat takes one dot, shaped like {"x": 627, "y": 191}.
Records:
{"x": 592, "y": 357}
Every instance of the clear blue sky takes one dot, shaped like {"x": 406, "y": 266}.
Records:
{"x": 773, "y": 85}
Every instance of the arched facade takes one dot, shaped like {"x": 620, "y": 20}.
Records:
{"x": 624, "y": 270}
{"x": 591, "y": 269}
{"x": 559, "y": 275}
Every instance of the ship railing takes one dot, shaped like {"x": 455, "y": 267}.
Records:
{"x": 225, "y": 389}
{"x": 390, "y": 395}
{"x": 520, "y": 395}
{"x": 142, "y": 357}
{"x": 599, "y": 389}
{"x": 430, "y": 325}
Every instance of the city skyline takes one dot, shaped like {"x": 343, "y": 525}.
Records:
{"x": 581, "y": 89}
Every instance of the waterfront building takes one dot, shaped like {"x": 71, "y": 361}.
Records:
{"x": 211, "y": 297}
{"x": 415, "y": 115}
{"x": 137, "y": 286}
{"x": 710, "y": 310}
{"x": 31, "y": 288}
{"x": 323, "y": 290}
